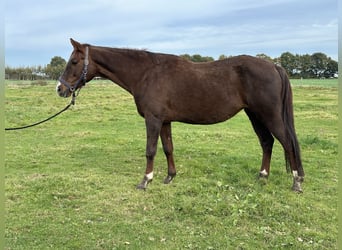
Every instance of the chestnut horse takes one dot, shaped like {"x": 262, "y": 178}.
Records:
{"x": 169, "y": 88}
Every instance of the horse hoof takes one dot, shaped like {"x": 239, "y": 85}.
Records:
{"x": 297, "y": 187}
{"x": 263, "y": 177}
{"x": 169, "y": 178}
{"x": 297, "y": 190}
{"x": 297, "y": 184}
{"x": 144, "y": 183}
{"x": 141, "y": 186}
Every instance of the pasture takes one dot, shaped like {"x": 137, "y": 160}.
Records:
{"x": 70, "y": 183}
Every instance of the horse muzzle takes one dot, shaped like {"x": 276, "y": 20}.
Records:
{"x": 62, "y": 90}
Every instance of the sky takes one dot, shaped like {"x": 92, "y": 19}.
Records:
{"x": 37, "y": 30}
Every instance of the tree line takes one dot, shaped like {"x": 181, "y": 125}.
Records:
{"x": 317, "y": 65}
{"x": 51, "y": 71}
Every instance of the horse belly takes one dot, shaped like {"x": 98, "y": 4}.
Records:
{"x": 208, "y": 112}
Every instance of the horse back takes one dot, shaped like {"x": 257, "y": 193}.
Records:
{"x": 204, "y": 93}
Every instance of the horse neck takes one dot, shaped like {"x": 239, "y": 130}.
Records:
{"x": 122, "y": 66}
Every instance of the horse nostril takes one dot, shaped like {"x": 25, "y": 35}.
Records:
{"x": 59, "y": 89}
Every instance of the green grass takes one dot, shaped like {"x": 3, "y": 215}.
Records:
{"x": 70, "y": 183}
{"x": 315, "y": 82}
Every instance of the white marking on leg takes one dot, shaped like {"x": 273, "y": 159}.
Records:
{"x": 264, "y": 172}
{"x": 295, "y": 173}
{"x": 149, "y": 176}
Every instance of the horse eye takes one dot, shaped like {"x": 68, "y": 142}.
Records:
{"x": 74, "y": 61}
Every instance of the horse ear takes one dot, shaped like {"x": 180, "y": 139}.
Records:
{"x": 76, "y": 44}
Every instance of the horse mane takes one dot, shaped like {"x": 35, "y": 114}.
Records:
{"x": 140, "y": 53}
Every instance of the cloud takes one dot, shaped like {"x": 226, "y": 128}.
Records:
{"x": 208, "y": 27}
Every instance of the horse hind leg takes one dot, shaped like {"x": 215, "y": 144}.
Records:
{"x": 166, "y": 138}
{"x": 266, "y": 141}
{"x": 292, "y": 156}
{"x": 288, "y": 140}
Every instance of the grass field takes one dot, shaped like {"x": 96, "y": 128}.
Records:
{"x": 70, "y": 183}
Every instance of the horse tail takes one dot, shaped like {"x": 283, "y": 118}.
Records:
{"x": 288, "y": 119}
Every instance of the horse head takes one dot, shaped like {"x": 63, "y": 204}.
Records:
{"x": 77, "y": 71}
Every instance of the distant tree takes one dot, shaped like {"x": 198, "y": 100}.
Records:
{"x": 186, "y": 56}
{"x": 222, "y": 57}
{"x": 20, "y": 73}
{"x": 9, "y": 73}
{"x": 331, "y": 69}
{"x": 197, "y": 58}
{"x": 288, "y": 62}
{"x": 276, "y": 60}
{"x": 207, "y": 59}
{"x": 305, "y": 66}
{"x": 264, "y": 56}
{"x": 55, "y": 68}
{"x": 319, "y": 62}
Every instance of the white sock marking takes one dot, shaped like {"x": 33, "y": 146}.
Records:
{"x": 264, "y": 172}
{"x": 295, "y": 173}
{"x": 149, "y": 176}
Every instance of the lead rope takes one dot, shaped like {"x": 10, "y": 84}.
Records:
{"x": 82, "y": 80}
{"x": 72, "y": 102}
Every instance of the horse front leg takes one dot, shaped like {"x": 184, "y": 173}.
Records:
{"x": 153, "y": 127}
{"x": 266, "y": 141}
{"x": 166, "y": 138}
